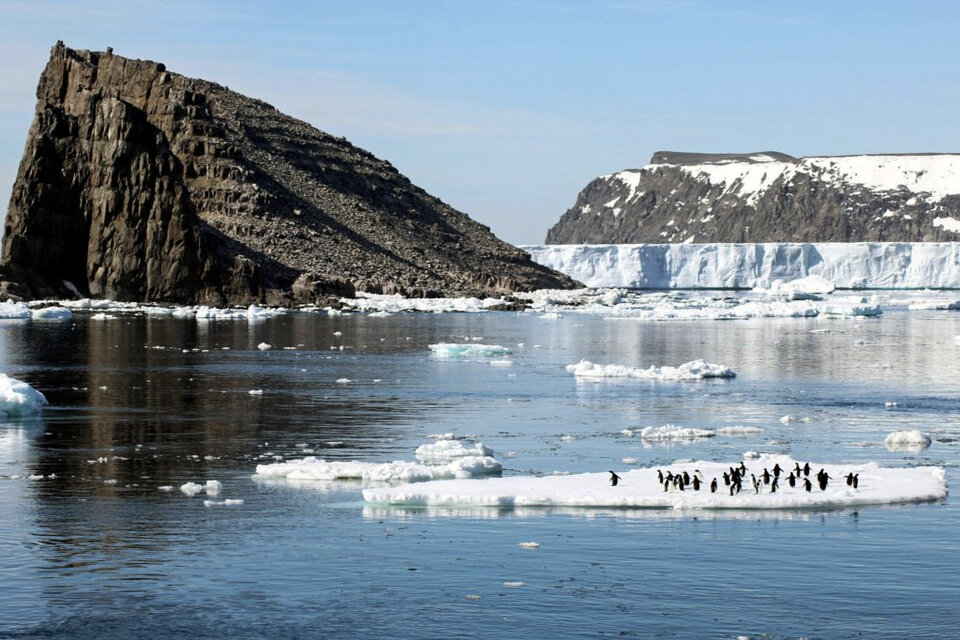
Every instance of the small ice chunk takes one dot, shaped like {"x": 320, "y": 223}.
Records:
{"x": 263, "y": 346}
{"x": 474, "y": 350}
{"x": 914, "y": 440}
{"x": 567, "y": 438}
{"x": 890, "y": 403}
{"x": 630, "y": 461}
{"x": 165, "y": 487}
{"x": 528, "y": 545}
{"x": 213, "y": 488}
{"x": 674, "y": 432}
{"x": 738, "y": 430}
{"x": 446, "y": 450}
{"x": 255, "y": 392}
{"x": 750, "y": 455}
{"x": 191, "y": 489}
{"x": 514, "y": 584}
{"x": 52, "y": 314}
{"x": 344, "y": 380}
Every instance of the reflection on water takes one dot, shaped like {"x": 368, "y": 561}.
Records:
{"x": 143, "y": 403}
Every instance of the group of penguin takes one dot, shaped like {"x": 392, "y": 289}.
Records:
{"x": 733, "y": 479}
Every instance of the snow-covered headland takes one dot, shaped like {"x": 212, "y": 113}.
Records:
{"x": 860, "y": 265}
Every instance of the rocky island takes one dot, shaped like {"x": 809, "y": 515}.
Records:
{"x": 140, "y": 184}
{"x": 769, "y": 197}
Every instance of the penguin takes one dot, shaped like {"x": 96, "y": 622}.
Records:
{"x": 743, "y": 468}
{"x": 856, "y": 480}
{"x": 713, "y": 485}
{"x": 680, "y": 484}
{"x": 666, "y": 486}
{"x": 792, "y": 480}
{"x": 686, "y": 478}
{"x": 796, "y": 469}
{"x": 766, "y": 476}
{"x": 777, "y": 470}
{"x": 726, "y": 479}
{"x": 614, "y": 479}
{"x": 806, "y": 485}
{"x": 697, "y": 473}
{"x": 849, "y": 479}
{"x": 774, "y": 484}
{"x": 806, "y": 469}
{"x": 696, "y": 483}
{"x": 754, "y": 483}
{"x": 660, "y": 476}
{"x": 823, "y": 478}
{"x": 733, "y": 488}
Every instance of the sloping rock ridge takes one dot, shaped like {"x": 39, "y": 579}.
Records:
{"x": 769, "y": 197}
{"x": 137, "y": 183}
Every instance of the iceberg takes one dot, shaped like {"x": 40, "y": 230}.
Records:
{"x": 640, "y": 488}
{"x": 55, "y": 313}
{"x": 445, "y": 450}
{"x": 19, "y": 398}
{"x": 914, "y": 440}
{"x": 856, "y": 265}
{"x": 688, "y": 371}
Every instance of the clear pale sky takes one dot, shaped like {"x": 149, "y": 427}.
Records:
{"x": 505, "y": 109}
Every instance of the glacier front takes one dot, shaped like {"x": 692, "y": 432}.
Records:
{"x": 857, "y": 265}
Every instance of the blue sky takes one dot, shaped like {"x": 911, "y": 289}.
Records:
{"x": 507, "y": 108}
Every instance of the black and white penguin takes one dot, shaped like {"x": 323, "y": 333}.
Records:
{"x": 806, "y": 485}
{"x": 696, "y": 472}
{"x": 733, "y": 488}
{"x": 743, "y": 469}
{"x": 713, "y": 485}
{"x": 774, "y": 484}
{"x": 850, "y": 479}
{"x": 686, "y": 478}
{"x": 766, "y": 476}
{"x": 754, "y": 483}
{"x": 614, "y": 479}
{"x": 726, "y": 479}
{"x": 806, "y": 469}
{"x": 796, "y": 469}
{"x": 792, "y": 480}
{"x": 666, "y": 485}
{"x": 777, "y": 470}
{"x": 660, "y": 476}
{"x": 822, "y": 478}
{"x": 856, "y": 480}
{"x": 696, "y": 483}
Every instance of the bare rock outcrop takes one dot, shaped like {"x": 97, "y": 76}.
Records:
{"x": 141, "y": 184}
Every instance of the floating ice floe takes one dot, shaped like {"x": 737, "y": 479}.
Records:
{"x": 738, "y": 430}
{"x": 53, "y": 314}
{"x": 371, "y": 302}
{"x": 445, "y": 450}
{"x": 669, "y": 432}
{"x": 470, "y": 350}
{"x": 11, "y": 310}
{"x": 914, "y": 440}
{"x": 212, "y": 488}
{"x": 312, "y": 468}
{"x": 640, "y": 488}
{"x": 19, "y": 398}
{"x": 689, "y": 371}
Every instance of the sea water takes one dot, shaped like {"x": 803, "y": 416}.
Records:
{"x": 98, "y": 540}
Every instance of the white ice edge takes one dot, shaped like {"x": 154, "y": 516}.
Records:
{"x": 639, "y": 488}
{"x": 313, "y": 468}
{"x": 688, "y": 371}
{"x": 854, "y": 265}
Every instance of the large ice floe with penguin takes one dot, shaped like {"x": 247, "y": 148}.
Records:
{"x": 708, "y": 485}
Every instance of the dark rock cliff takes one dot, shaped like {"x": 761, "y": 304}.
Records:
{"x": 140, "y": 184}
{"x": 769, "y": 197}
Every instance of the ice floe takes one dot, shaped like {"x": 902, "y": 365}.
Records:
{"x": 312, "y": 468}
{"x": 54, "y": 314}
{"x": 11, "y": 310}
{"x": 212, "y": 488}
{"x": 640, "y": 488}
{"x": 914, "y": 440}
{"x": 688, "y": 371}
{"x": 468, "y": 350}
{"x": 19, "y": 398}
{"x": 370, "y": 302}
{"x": 673, "y": 432}
{"x": 445, "y": 450}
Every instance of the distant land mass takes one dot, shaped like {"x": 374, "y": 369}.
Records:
{"x": 140, "y": 184}
{"x": 769, "y": 197}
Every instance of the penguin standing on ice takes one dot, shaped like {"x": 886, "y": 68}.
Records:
{"x": 726, "y": 479}
{"x": 660, "y": 476}
{"x": 777, "y": 470}
{"x": 792, "y": 480}
{"x": 774, "y": 484}
{"x": 796, "y": 469}
{"x": 807, "y": 486}
{"x": 754, "y": 483}
{"x": 743, "y": 469}
{"x": 614, "y": 479}
{"x": 696, "y": 483}
{"x": 686, "y": 478}
{"x": 822, "y": 478}
{"x": 766, "y": 476}
{"x": 856, "y": 480}
{"x": 806, "y": 469}
{"x": 713, "y": 485}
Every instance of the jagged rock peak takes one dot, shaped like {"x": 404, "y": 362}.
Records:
{"x": 137, "y": 183}
{"x": 769, "y": 197}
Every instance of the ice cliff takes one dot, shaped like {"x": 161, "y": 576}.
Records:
{"x": 859, "y": 265}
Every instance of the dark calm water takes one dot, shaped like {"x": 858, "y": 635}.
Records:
{"x": 99, "y": 551}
